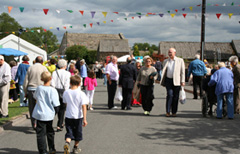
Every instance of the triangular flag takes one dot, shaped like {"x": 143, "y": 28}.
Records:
{"x": 224, "y": 4}
{"x": 147, "y": 15}
{"x": 81, "y": 12}
{"x": 173, "y": 14}
{"x": 184, "y": 15}
{"x": 58, "y": 28}
{"x": 104, "y": 22}
{"x": 216, "y": 4}
{"x": 84, "y": 25}
{"x": 191, "y": 8}
{"x": 168, "y": 11}
{"x": 51, "y": 27}
{"x": 45, "y": 11}
{"x": 111, "y": 20}
{"x": 39, "y": 31}
{"x": 44, "y": 30}
{"x": 232, "y": 4}
{"x": 126, "y": 14}
{"x": 161, "y": 14}
{"x": 199, "y": 5}
{"x": 115, "y": 12}
{"x": 209, "y": 4}
{"x": 230, "y": 15}
{"x": 65, "y": 27}
{"x": 105, "y": 14}
{"x": 91, "y": 24}
{"x": 132, "y": 17}
{"x": 71, "y": 26}
{"x": 70, "y": 11}
{"x": 139, "y": 13}
{"x": 98, "y": 23}
{"x": 196, "y": 16}
{"x": 13, "y": 32}
{"x": 21, "y": 9}
{"x": 139, "y": 17}
{"x": 9, "y": 9}
{"x": 125, "y": 19}
{"x": 218, "y": 15}
{"x": 183, "y": 9}
{"x": 93, "y": 13}
{"x": 58, "y": 11}
{"x": 118, "y": 19}
{"x": 176, "y": 10}
{"x": 32, "y": 31}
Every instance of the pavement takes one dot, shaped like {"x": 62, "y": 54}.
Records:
{"x": 130, "y": 132}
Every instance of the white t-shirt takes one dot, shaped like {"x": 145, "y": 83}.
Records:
{"x": 74, "y": 100}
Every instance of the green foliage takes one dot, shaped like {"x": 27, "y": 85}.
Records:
{"x": 145, "y": 46}
{"x": 151, "y": 51}
{"x": 76, "y": 51}
{"x": 91, "y": 57}
{"x": 8, "y": 24}
{"x": 136, "y": 51}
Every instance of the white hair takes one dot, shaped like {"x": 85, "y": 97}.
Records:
{"x": 221, "y": 64}
{"x": 197, "y": 56}
{"x": 62, "y": 63}
{"x": 233, "y": 59}
{"x": 1, "y": 57}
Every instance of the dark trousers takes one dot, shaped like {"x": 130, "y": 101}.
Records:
{"x": 172, "y": 96}
{"x": 83, "y": 87}
{"x": 31, "y": 105}
{"x": 13, "y": 94}
{"x": 147, "y": 97}
{"x": 197, "y": 82}
{"x": 61, "y": 113}
{"x": 111, "y": 93}
{"x": 127, "y": 97}
{"x": 44, "y": 128}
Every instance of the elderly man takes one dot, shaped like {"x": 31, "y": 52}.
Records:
{"x": 31, "y": 82}
{"x": 198, "y": 69}
{"x": 5, "y": 78}
{"x": 112, "y": 77}
{"x": 223, "y": 78}
{"x": 83, "y": 72}
{"x": 236, "y": 73}
{"x": 173, "y": 77}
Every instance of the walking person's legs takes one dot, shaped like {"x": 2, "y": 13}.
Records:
{"x": 31, "y": 105}
{"x": 50, "y": 136}
{"x": 169, "y": 100}
{"x": 230, "y": 107}
{"x": 219, "y": 105}
{"x": 41, "y": 136}
{"x": 195, "y": 84}
{"x": 61, "y": 113}
{"x": 176, "y": 91}
{"x": 4, "y": 96}
{"x": 111, "y": 93}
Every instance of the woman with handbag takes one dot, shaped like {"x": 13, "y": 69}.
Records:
{"x": 146, "y": 77}
{"x": 61, "y": 81}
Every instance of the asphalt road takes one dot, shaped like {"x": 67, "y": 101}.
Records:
{"x": 130, "y": 132}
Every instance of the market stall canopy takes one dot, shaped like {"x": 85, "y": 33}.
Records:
{"x": 11, "y": 52}
{"x": 123, "y": 58}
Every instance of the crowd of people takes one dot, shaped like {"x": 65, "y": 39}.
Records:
{"x": 59, "y": 88}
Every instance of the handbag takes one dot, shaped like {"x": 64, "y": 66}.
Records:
{"x": 60, "y": 91}
{"x": 118, "y": 95}
{"x": 182, "y": 96}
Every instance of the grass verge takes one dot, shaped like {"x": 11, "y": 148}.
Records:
{"x": 14, "y": 110}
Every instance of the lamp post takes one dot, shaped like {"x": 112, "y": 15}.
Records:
{"x": 202, "y": 45}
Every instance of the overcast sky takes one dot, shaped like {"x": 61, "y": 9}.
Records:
{"x": 151, "y": 29}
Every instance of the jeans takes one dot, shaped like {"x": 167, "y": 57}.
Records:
{"x": 22, "y": 95}
{"x": 229, "y": 101}
{"x": 105, "y": 79}
{"x": 197, "y": 82}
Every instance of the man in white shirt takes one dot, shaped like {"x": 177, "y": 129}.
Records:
{"x": 5, "y": 78}
{"x": 173, "y": 79}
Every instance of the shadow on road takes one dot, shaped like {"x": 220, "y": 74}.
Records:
{"x": 209, "y": 134}
{"x": 26, "y": 130}
{"x": 17, "y": 151}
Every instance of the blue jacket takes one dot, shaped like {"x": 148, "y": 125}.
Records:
{"x": 83, "y": 71}
{"x": 197, "y": 68}
{"x": 21, "y": 73}
{"x": 223, "y": 78}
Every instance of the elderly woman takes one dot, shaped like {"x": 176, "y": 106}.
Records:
{"x": 236, "y": 72}
{"x": 223, "y": 78}
{"x": 20, "y": 76}
{"x": 146, "y": 76}
{"x": 61, "y": 81}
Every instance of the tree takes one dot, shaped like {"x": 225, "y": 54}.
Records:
{"x": 91, "y": 57}
{"x": 151, "y": 51}
{"x": 8, "y": 25}
{"x": 154, "y": 47}
{"x": 76, "y": 51}
{"x": 136, "y": 51}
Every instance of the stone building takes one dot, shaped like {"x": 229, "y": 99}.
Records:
{"x": 213, "y": 50}
{"x": 104, "y": 44}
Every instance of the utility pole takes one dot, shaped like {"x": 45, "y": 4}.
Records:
{"x": 202, "y": 45}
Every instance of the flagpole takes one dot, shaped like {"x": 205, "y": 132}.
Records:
{"x": 202, "y": 45}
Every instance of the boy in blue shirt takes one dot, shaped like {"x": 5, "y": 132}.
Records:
{"x": 47, "y": 101}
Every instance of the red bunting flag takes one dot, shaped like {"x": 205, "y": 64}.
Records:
{"x": 132, "y": 17}
{"x": 45, "y": 11}
{"x": 81, "y": 12}
{"x": 184, "y": 15}
{"x": 65, "y": 27}
{"x": 216, "y": 4}
{"x": 149, "y": 13}
{"x": 91, "y": 24}
{"x": 44, "y": 30}
{"x": 10, "y": 9}
{"x": 111, "y": 20}
{"x": 176, "y": 10}
{"x": 218, "y": 15}
{"x": 115, "y": 12}
{"x": 199, "y": 5}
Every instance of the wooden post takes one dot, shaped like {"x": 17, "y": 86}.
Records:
{"x": 202, "y": 44}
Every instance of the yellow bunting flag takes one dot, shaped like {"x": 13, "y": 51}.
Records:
{"x": 105, "y": 14}
{"x": 13, "y": 32}
{"x": 191, "y": 8}
{"x": 51, "y": 27}
{"x": 147, "y": 15}
{"x": 104, "y": 22}
{"x": 10, "y": 9}
{"x": 230, "y": 15}
{"x": 173, "y": 14}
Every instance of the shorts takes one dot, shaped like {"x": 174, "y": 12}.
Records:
{"x": 74, "y": 129}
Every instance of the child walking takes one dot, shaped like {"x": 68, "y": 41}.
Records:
{"x": 90, "y": 83}
{"x": 76, "y": 113}
{"x": 44, "y": 112}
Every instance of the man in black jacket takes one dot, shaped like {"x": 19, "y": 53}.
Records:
{"x": 128, "y": 75}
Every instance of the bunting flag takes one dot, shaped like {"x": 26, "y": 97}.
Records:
{"x": 39, "y": 31}
{"x": 191, "y": 8}
{"x": 45, "y": 11}
{"x": 216, "y": 4}
{"x": 13, "y": 32}
{"x": 58, "y": 28}
{"x": 98, "y": 23}
{"x": 70, "y": 11}
{"x": 184, "y": 15}
{"x": 51, "y": 27}
{"x": 71, "y": 26}
{"x": 111, "y": 20}
{"x": 218, "y": 15}
{"x": 161, "y": 14}
{"x": 65, "y": 27}
{"x": 196, "y": 16}
{"x": 199, "y": 5}
{"x": 93, "y": 13}
{"x": 232, "y": 4}
{"x": 138, "y": 13}
{"x": 21, "y": 9}
{"x": 169, "y": 11}
{"x": 139, "y": 17}
{"x": 132, "y": 17}
{"x": 125, "y": 19}
{"x": 32, "y": 31}
{"x": 84, "y": 25}
{"x": 176, "y": 10}
{"x": 104, "y": 22}
{"x": 105, "y": 14}
{"x": 115, "y": 12}
{"x": 118, "y": 19}
{"x": 91, "y": 24}
{"x": 230, "y": 15}
{"x": 147, "y": 15}
{"x": 81, "y": 12}
{"x": 127, "y": 14}
{"x": 58, "y": 11}
{"x": 224, "y": 4}
{"x": 10, "y": 9}
{"x": 173, "y": 14}
{"x": 183, "y": 9}
{"x": 44, "y": 30}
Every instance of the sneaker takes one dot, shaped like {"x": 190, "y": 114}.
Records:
{"x": 66, "y": 148}
{"x": 76, "y": 150}
{"x": 52, "y": 151}
{"x": 4, "y": 116}
{"x": 145, "y": 112}
{"x": 115, "y": 107}
{"x": 148, "y": 113}
{"x": 91, "y": 108}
